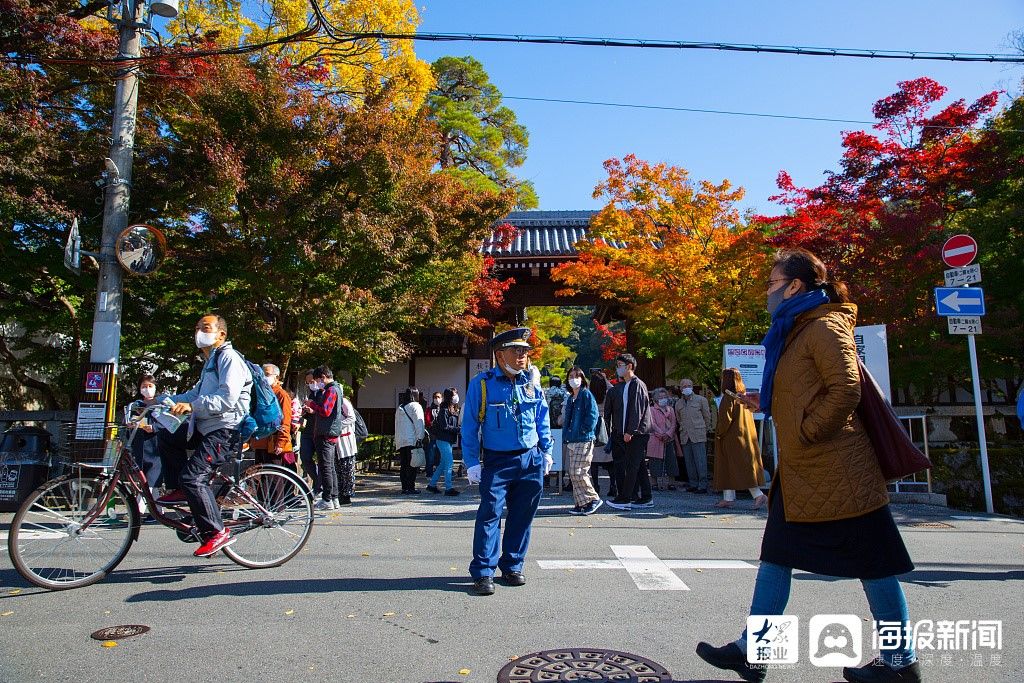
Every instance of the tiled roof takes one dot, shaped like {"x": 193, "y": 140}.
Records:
{"x": 542, "y": 233}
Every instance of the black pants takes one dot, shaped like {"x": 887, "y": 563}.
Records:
{"x": 631, "y": 473}
{"x": 595, "y": 471}
{"x": 210, "y": 452}
{"x": 407, "y": 473}
{"x": 173, "y": 454}
{"x": 326, "y": 455}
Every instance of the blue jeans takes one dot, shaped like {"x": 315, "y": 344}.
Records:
{"x": 885, "y": 598}
{"x": 445, "y": 449}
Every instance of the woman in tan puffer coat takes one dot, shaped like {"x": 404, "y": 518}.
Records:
{"x": 828, "y": 509}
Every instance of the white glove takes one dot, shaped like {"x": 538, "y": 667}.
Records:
{"x": 473, "y": 474}
{"x": 549, "y": 462}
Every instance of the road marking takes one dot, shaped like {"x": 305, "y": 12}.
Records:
{"x": 35, "y": 534}
{"x": 647, "y": 570}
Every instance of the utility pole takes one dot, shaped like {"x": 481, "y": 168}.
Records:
{"x": 106, "y": 326}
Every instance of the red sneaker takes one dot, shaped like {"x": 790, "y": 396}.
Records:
{"x": 175, "y": 496}
{"x": 215, "y": 543}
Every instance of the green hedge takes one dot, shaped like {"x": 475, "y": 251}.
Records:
{"x": 957, "y": 473}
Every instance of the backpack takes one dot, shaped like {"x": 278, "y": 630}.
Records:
{"x": 360, "y": 430}
{"x": 265, "y": 416}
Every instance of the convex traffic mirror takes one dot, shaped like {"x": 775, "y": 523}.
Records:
{"x": 141, "y": 249}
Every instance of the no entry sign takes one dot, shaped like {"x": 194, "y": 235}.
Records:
{"x": 959, "y": 251}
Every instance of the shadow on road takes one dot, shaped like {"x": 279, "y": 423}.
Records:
{"x": 308, "y": 587}
{"x": 156, "y": 575}
{"x": 940, "y": 578}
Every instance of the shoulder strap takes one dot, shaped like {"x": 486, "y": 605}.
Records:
{"x": 483, "y": 399}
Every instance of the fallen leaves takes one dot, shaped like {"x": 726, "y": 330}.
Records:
{"x": 289, "y": 612}
{"x": 109, "y": 643}
{"x": 6, "y": 614}
{"x": 14, "y": 591}
{"x": 465, "y": 672}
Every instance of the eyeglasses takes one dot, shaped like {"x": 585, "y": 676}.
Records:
{"x": 518, "y": 350}
{"x": 768, "y": 285}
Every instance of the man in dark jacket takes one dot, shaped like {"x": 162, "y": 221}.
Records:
{"x": 627, "y": 412}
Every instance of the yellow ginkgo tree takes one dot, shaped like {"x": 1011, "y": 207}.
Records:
{"x": 317, "y": 34}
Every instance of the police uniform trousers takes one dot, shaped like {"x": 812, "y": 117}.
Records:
{"x": 507, "y": 481}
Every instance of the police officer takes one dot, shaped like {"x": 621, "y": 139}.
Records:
{"x": 506, "y": 446}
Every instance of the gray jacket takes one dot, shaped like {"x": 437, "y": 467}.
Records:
{"x": 220, "y": 399}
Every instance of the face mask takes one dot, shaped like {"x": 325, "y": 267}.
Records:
{"x": 205, "y": 340}
{"x": 147, "y": 392}
{"x": 437, "y": 401}
{"x": 575, "y": 382}
{"x": 774, "y": 299}
{"x": 621, "y": 372}
{"x": 455, "y": 400}
{"x": 662, "y": 402}
{"x": 311, "y": 386}
{"x": 512, "y": 371}
{"x": 271, "y": 379}
{"x": 688, "y": 391}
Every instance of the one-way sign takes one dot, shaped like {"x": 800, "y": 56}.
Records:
{"x": 959, "y": 301}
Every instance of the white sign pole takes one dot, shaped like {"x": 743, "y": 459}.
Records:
{"x": 985, "y": 475}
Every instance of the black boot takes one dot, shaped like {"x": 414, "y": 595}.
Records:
{"x": 731, "y": 658}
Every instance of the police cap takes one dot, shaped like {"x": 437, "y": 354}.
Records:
{"x": 520, "y": 336}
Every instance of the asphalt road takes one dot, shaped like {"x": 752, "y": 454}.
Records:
{"x": 380, "y": 593}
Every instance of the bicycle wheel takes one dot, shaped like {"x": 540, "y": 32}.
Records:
{"x": 270, "y": 512}
{"x": 49, "y": 543}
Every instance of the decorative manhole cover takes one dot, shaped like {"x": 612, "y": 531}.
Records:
{"x": 119, "y": 632}
{"x": 583, "y": 664}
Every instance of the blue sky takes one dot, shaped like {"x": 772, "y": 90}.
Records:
{"x": 568, "y": 143}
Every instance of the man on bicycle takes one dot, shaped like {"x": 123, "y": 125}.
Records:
{"x": 218, "y": 403}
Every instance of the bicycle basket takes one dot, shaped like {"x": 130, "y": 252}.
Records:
{"x": 96, "y": 444}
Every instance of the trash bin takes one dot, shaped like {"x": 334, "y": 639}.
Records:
{"x": 24, "y": 464}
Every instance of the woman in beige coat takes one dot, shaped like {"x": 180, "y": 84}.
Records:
{"x": 737, "y": 456}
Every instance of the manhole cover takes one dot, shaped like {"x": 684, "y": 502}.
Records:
{"x": 583, "y": 664}
{"x": 119, "y": 632}
{"x": 932, "y": 525}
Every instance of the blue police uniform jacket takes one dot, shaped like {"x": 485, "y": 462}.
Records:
{"x": 515, "y": 417}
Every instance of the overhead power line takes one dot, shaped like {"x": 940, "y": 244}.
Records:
{"x": 864, "y": 53}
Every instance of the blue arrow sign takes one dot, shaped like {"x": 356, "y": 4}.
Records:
{"x": 959, "y": 301}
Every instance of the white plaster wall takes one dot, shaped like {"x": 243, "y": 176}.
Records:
{"x": 381, "y": 390}
{"x": 437, "y": 374}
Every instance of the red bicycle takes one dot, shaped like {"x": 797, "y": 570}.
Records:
{"x": 74, "y": 530}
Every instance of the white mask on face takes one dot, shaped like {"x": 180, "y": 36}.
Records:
{"x": 620, "y": 371}
{"x": 148, "y": 392}
{"x": 271, "y": 379}
{"x": 575, "y": 382}
{"x": 437, "y": 401}
{"x": 311, "y": 386}
{"x": 205, "y": 340}
{"x": 455, "y": 399}
{"x": 687, "y": 391}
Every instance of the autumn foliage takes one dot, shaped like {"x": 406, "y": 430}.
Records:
{"x": 677, "y": 258}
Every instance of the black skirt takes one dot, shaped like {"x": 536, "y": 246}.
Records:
{"x": 865, "y": 547}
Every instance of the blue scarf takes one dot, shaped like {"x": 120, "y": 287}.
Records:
{"x": 783, "y": 320}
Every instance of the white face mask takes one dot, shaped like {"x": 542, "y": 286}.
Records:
{"x": 575, "y": 382}
{"x": 620, "y": 371}
{"x": 515, "y": 372}
{"x": 437, "y": 401}
{"x": 271, "y": 379}
{"x": 205, "y": 340}
{"x": 455, "y": 399}
{"x": 687, "y": 391}
{"x": 148, "y": 392}
{"x": 663, "y": 402}
{"x": 315, "y": 386}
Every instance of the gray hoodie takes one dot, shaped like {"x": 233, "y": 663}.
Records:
{"x": 220, "y": 399}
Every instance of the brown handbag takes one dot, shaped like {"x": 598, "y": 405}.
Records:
{"x": 897, "y": 455}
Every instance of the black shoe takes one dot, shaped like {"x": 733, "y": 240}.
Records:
{"x": 344, "y": 500}
{"x": 513, "y": 578}
{"x": 414, "y": 492}
{"x": 576, "y": 510}
{"x": 876, "y": 671}
{"x": 730, "y": 658}
{"x": 591, "y": 507}
{"x": 451, "y": 492}
{"x": 643, "y": 503}
{"x": 433, "y": 489}
{"x": 484, "y": 586}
